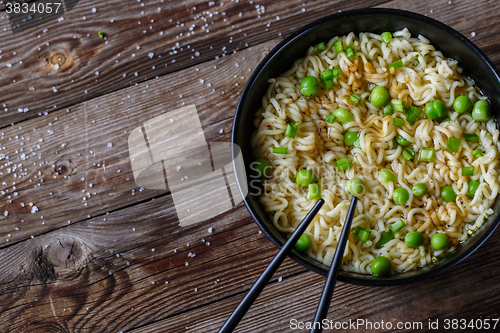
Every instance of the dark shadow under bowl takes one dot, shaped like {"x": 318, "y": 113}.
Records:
{"x": 451, "y": 43}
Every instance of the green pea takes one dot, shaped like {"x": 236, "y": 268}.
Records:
{"x": 387, "y": 176}
{"x": 381, "y": 266}
{"x": 309, "y": 86}
{"x": 305, "y": 177}
{"x": 430, "y": 112}
{"x": 439, "y": 241}
{"x": 419, "y": 189}
{"x": 400, "y": 196}
{"x": 435, "y": 110}
{"x": 304, "y": 243}
{"x": 481, "y": 111}
{"x": 356, "y": 186}
{"x": 350, "y": 138}
{"x": 461, "y": 104}
{"x": 448, "y": 194}
{"x": 379, "y": 96}
{"x": 344, "y": 115}
{"x": 414, "y": 239}
{"x": 440, "y": 108}
{"x": 472, "y": 187}
{"x": 262, "y": 168}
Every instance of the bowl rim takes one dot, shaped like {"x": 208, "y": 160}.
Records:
{"x": 298, "y": 258}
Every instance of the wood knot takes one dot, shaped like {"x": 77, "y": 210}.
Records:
{"x": 57, "y": 58}
{"x": 61, "y": 256}
{"x": 63, "y": 168}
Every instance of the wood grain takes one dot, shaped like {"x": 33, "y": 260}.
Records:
{"x": 75, "y": 47}
{"x": 105, "y": 270}
{"x": 83, "y": 169}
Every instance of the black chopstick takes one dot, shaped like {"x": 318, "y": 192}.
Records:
{"x": 261, "y": 282}
{"x": 326, "y": 297}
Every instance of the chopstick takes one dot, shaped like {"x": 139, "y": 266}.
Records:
{"x": 326, "y": 296}
{"x": 261, "y": 282}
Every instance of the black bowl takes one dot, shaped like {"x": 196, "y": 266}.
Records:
{"x": 450, "y": 42}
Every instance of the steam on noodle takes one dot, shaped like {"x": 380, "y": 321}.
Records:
{"x": 426, "y": 76}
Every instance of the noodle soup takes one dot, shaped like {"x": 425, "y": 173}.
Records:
{"x": 387, "y": 118}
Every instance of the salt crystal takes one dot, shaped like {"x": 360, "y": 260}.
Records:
{"x": 6, "y": 213}
{"x": 151, "y": 55}
{"x": 94, "y": 10}
{"x": 210, "y": 230}
{"x": 34, "y": 209}
{"x": 280, "y": 279}
{"x": 473, "y": 34}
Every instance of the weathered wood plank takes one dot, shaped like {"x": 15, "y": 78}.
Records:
{"x": 451, "y": 295}
{"x": 98, "y": 286}
{"x": 82, "y": 168}
{"x": 96, "y": 271}
{"x": 74, "y": 46}
{"x": 67, "y": 286}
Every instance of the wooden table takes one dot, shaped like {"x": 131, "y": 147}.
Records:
{"x": 84, "y": 249}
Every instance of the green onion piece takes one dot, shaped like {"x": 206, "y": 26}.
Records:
{"x": 328, "y": 74}
{"x": 398, "y": 225}
{"x": 394, "y": 143}
{"x": 427, "y": 154}
{"x": 100, "y": 33}
{"x": 396, "y": 64}
{"x": 468, "y": 171}
{"x": 320, "y": 46}
{"x": 336, "y": 72}
{"x": 291, "y": 129}
{"x": 338, "y": 46}
{"x": 314, "y": 191}
{"x": 362, "y": 233}
{"x": 327, "y": 83}
{"x": 386, "y": 37}
{"x": 408, "y": 154}
{"x": 350, "y": 53}
{"x": 280, "y": 150}
{"x": 472, "y": 188}
{"x": 445, "y": 119}
{"x": 387, "y": 176}
{"x": 355, "y": 98}
{"x": 471, "y": 137}
{"x": 413, "y": 114}
{"x": 398, "y": 105}
{"x": 398, "y": 122}
{"x": 330, "y": 119}
{"x": 388, "y": 110}
{"x": 477, "y": 153}
{"x": 453, "y": 145}
{"x": 402, "y": 141}
{"x": 343, "y": 164}
{"x": 385, "y": 237}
